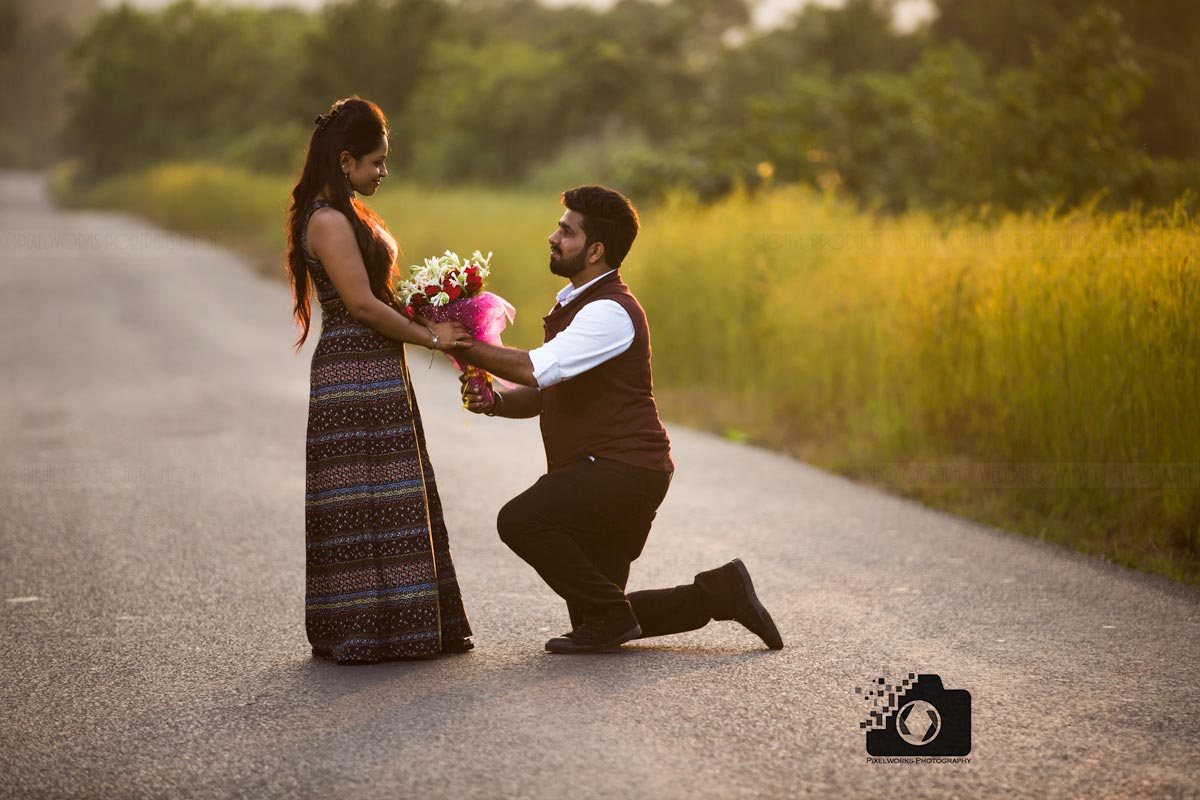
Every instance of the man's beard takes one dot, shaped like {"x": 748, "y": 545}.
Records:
{"x": 568, "y": 267}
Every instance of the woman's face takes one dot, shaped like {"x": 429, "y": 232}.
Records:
{"x": 365, "y": 173}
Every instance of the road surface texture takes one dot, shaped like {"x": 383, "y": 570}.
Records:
{"x": 152, "y": 580}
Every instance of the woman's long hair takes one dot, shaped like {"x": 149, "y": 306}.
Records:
{"x": 359, "y": 127}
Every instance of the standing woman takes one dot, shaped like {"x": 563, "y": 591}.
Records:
{"x": 380, "y": 580}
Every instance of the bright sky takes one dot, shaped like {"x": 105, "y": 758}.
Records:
{"x": 769, "y": 12}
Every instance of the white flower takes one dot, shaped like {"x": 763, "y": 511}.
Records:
{"x": 448, "y": 269}
{"x": 407, "y": 290}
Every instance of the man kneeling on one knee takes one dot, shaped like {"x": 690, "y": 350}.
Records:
{"x": 608, "y": 456}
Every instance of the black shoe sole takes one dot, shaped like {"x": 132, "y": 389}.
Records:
{"x": 765, "y": 629}
{"x": 563, "y": 646}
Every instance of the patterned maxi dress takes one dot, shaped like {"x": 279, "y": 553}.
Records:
{"x": 380, "y": 581}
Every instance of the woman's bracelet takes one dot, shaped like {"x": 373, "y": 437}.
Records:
{"x": 497, "y": 403}
{"x": 432, "y": 345}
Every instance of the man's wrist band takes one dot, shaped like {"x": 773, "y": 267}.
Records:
{"x": 497, "y": 403}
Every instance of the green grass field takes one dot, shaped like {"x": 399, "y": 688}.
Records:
{"x": 1040, "y": 373}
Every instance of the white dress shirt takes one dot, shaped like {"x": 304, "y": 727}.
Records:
{"x": 601, "y": 330}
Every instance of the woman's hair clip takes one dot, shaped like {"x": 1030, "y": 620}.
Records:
{"x": 322, "y": 121}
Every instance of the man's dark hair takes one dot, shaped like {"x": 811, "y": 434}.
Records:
{"x": 608, "y": 218}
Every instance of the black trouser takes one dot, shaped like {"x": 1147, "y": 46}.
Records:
{"x": 581, "y": 526}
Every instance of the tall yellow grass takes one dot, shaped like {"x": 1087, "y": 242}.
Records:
{"x": 1037, "y": 372}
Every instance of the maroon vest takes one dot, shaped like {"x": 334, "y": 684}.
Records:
{"x": 608, "y": 411}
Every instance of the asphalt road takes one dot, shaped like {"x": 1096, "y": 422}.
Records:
{"x": 152, "y": 586}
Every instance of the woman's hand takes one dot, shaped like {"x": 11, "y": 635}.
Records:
{"x": 451, "y": 335}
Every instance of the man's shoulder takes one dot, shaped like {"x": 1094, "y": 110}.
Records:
{"x": 607, "y": 311}
{"x": 619, "y": 292}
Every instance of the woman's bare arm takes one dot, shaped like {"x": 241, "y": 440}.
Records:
{"x": 331, "y": 239}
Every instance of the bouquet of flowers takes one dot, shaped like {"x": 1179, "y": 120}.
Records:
{"x": 451, "y": 288}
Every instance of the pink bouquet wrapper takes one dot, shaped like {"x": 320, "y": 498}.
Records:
{"x": 485, "y": 315}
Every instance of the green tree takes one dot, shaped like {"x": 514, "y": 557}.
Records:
{"x": 182, "y": 82}
{"x": 378, "y": 49}
{"x": 1165, "y": 38}
{"x": 877, "y": 150}
{"x": 1067, "y": 128}
{"x": 34, "y": 40}
{"x": 956, "y": 114}
{"x": 484, "y": 113}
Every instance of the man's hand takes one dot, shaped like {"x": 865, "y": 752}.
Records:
{"x": 476, "y": 403}
{"x": 517, "y": 402}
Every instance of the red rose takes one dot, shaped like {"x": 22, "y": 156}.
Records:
{"x": 474, "y": 282}
{"x": 432, "y": 291}
{"x": 453, "y": 291}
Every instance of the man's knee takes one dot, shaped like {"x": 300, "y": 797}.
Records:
{"x": 513, "y": 523}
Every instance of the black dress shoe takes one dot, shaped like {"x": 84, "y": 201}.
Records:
{"x": 747, "y": 608}
{"x": 596, "y": 636}
{"x": 457, "y": 645}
